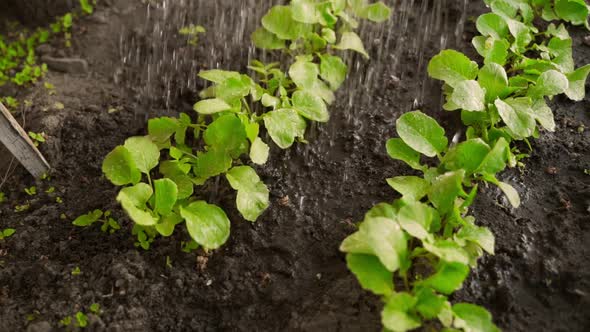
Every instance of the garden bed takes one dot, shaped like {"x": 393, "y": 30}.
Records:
{"x": 284, "y": 272}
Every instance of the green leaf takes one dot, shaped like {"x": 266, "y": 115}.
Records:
{"x": 144, "y": 153}
{"x": 166, "y": 196}
{"x": 492, "y": 77}
{"x": 371, "y": 274}
{"x": 310, "y": 106}
{"x": 543, "y": 114}
{"x": 7, "y": 232}
{"x": 211, "y": 106}
{"x": 259, "y": 151}
{"x": 377, "y": 12}
{"x": 218, "y": 76}
{"x": 173, "y": 171}
{"x": 479, "y": 235}
{"x": 447, "y": 250}
{"x": 267, "y": 40}
{"x": 448, "y": 278}
{"x": 516, "y": 115}
{"x": 304, "y": 73}
{"x": 351, "y": 41}
{"x": 473, "y": 318}
{"x": 119, "y": 167}
{"x": 167, "y": 224}
{"x": 88, "y": 219}
{"x": 561, "y": 51}
{"x": 284, "y": 125}
{"x": 227, "y": 134}
{"x": 396, "y": 314}
{"x": 134, "y": 199}
{"x": 510, "y": 193}
{"x": 252, "y": 198}
{"x": 412, "y": 188}
{"x": 576, "y": 89}
{"x": 445, "y": 189}
{"x": 398, "y": 150}
{"x": 305, "y": 11}
{"x": 229, "y": 90}
{"x": 207, "y": 224}
{"x": 550, "y": 83}
{"x": 415, "y": 218}
{"x": 279, "y": 20}
{"x": 212, "y": 163}
{"x": 422, "y": 133}
{"x": 467, "y": 95}
{"x": 496, "y": 159}
{"x": 493, "y": 25}
{"x": 333, "y": 70}
{"x": 522, "y": 34}
{"x": 452, "y": 67}
{"x": 161, "y": 129}
{"x": 429, "y": 304}
{"x": 574, "y": 11}
{"x": 467, "y": 155}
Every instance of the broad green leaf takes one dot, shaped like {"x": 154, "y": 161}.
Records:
{"x": 166, "y": 196}
{"x": 167, "y": 224}
{"x": 7, "y": 232}
{"x": 415, "y": 218}
{"x": 576, "y": 89}
{"x": 386, "y": 239}
{"x": 356, "y": 243}
{"x": 284, "y": 125}
{"x": 119, "y": 167}
{"x": 493, "y": 51}
{"x": 351, "y": 41}
{"x": 398, "y": 150}
{"x": 448, "y": 251}
{"x": 305, "y": 11}
{"x": 323, "y": 90}
{"x": 134, "y": 199}
{"x": 492, "y": 77}
{"x": 448, "y": 278}
{"x": 574, "y": 11}
{"x": 467, "y": 95}
{"x": 422, "y": 133}
{"x": 412, "y": 188}
{"x": 550, "y": 83}
{"x": 445, "y": 189}
{"x": 384, "y": 210}
{"x": 259, "y": 151}
{"x": 522, "y": 34}
{"x": 161, "y": 129}
{"x": 218, "y": 76}
{"x": 207, "y": 224}
{"x": 310, "y": 106}
{"x": 467, "y": 155}
{"x": 252, "y": 198}
{"x": 229, "y": 90}
{"x": 211, "y": 106}
{"x": 518, "y": 119}
{"x": 304, "y": 73}
{"x": 212, "y": 163}
{"x": 473, "y": 318}
{"x": 543, "y": 114}
{"x": 396, "y": 315}
{"x": 144, "y": 153}
{"x": 429, "y": 304}
{"x": 279, "y": 20}
{"x": 333, "y": 70}
{"x": 267, "y": 40}
{"x": 173, "y": 171}
{"x": 377, "y": 12}
{"x": 496, "y": 159}
{"x": 227, "y": 134}
{"x": 479, "y": 235}
{"x": 329, "y": 35}
{"x": 561, "y": 51}
{"x": 88, "y": 219}
{"x": 510, "y": 193}
{"x": 493, "y": 25}
{"x": 452, "y": 67}
{"x": 371, "y": 274}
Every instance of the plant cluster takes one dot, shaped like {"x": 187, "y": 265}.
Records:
{"x": 186, "y": 152}
{"x": 418, "y": 250}
{"x": 192, "y": 32}
{"x": 109, "y": 224}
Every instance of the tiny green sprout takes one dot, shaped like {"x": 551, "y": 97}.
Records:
{"x": 586, "y": 171}
{"x": 81, "y": 319}
{"x": 37, "y": 138}
{"x": 189, "y": 246}
{"x": 109, "y": 224}
{"x": 9, "y": 102}
{"x": 45, "y": 176}
{"x": 50, "y": 190}
{"x": 59, "y": 200}
{"x": 87, "y": 7}
{"x": 76, "y": 271}
{"x": 192, "y": 32}
{"x": 7, "y": 232}
{"x": 66, "y": 321}
{"x": 58, "y": 106}
{"x": 31, "y": 191}
{"x": 2, "y": 197}
{"x": 95, "y": 308}
{"x": 63, "y": 216}
{"x": 168, "y": 262}
{"x": 112, "y": 110}
{"x": 48, "y": 86}
{"x": 22, "y": 208}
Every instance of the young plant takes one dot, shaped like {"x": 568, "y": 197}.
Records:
{"x": 109, "y": 224}
{"x": 7, "y": 232}
{"x": 192, "y": 32}
{"x": 161, "y": 170}
{"x": 418, "y": 250}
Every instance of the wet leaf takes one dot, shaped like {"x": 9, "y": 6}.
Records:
{"x": 211, "y": 106}
{"x": 207, "y": 224}
{"x": 448, "y": 278}
{"x": 310, "y": 106}
{"x": 473, "y": 318}
{"x": 119, "y": 167}
{"x": 351, "y": 41}
{"x": 144, "y": 153}
{"x": 253, "y": 195}
{"x": 279, "y": 20}
{"x": 166, "y": 195}
{"x": 412, "y": 188}
{"x": 422, "y": 133}
{"x": 284, "y": 126}
{"x": 452, "y": 67}
{"x": 467, "y": 95}
{"x": 398, "y": 150}
{"x": 371, "y": 274}
{"x": 333, "y": 70}
{"x": 259, "y": 151}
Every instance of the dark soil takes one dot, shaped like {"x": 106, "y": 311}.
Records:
{"x": 283, "y": 273}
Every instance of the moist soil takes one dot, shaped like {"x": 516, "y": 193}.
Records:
{"x": 283, "y": 273}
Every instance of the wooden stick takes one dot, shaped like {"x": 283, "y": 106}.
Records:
{"x": 20, "y": 145}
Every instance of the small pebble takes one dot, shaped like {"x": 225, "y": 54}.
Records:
{"x": 552, "y": 170}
